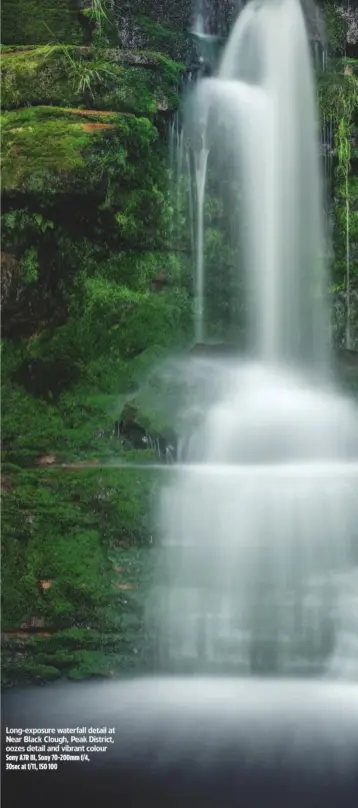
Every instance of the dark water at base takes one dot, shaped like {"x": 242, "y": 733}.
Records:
{"x": 196, "y": 742}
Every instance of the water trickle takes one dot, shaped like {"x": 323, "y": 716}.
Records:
{"x": 259, "y": 529}
{"x": 201, "y": 161}
{"x": 190, "y": 201}
{"x": 176, "y": 162}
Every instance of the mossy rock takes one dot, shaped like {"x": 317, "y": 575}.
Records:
{"x": 73, "y": 664}
{"x": 48, "y": 148}
{"x": 81, "y": 664}
{"x": 63, "y": 75}
{"x": 158, "y": 25}
{"x": 94, "y": 663}
{"x": 38, "y": 76}
{"x": 41, "y": 146}
{"x": 36, "y": 21}
{"x": 73, "y": 639}
{"x": 154, "y": 72}
{"x": 82, "y": 652}
{"x": 132, "y": 321}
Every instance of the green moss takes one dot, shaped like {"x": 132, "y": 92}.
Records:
{"x": 68, "y": 76}
{"x": 92, "y": 663}
{"x": 140, "y": 89}
{"x": 75, "y": 653}
{"x": 37, "y": 76}
{"x": 39, "y": 145}
{"x": 72, "y": 639}
{"x": 82, "y": 532}
{"x": 85, "y": 355}
{"x": 136, "y": 269}
{"x": 156, "y": 320}
{"x": 159, "y": 74}
{"x": 33, "y": 21}
{"x": 133, "y": 319}
{"x": 59, "y": 526}
{"x": 23, "y": 672}
{"x": 44, "y": 146}
{"x": 78, "y": 591}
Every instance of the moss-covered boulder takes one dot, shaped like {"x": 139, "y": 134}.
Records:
{"x": 45, "y": 148}
{"x": 61, "y": 75}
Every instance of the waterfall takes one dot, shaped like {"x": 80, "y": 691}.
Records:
{"x": 258, "y": 524}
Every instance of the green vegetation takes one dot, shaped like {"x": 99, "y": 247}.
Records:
{"x": 86, "y": 228}
{"x": 338, "y": 98}
{"x": 335, "y": 27}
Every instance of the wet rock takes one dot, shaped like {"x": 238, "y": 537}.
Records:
{"x": 134, "y": 434}
{"x": 347, "y": 359}
{"x": 349, "y": 13}
{"x": 339, "y": 318}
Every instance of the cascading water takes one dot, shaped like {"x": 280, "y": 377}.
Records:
{"x": 176, "y": 163}
{"x": 201, "y": 161}
{"x": 259, "y": 527}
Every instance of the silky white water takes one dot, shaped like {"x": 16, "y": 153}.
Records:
{"x": 201, "y": 160}
{"x": 259, "y": 533}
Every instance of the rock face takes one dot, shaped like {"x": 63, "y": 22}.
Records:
{"x": 340, "y": 318}
{"x": 347, "y": 359}
{"x": 349, "y": 14}
{"x": 170, "y": 23}
{"x": 213, "y": 350}
{"x": 155, "y": 26}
